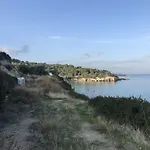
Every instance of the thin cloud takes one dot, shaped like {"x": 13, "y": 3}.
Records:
{"x": 92, "y": 54}
{"x": 98, "y": 54}
{"x": 102, "y": 41}
{"x": 24, "y": 49}
{"x": 115, "y": 62}
{"x": 111, "y": 64}
{"x": 87, "y": 55}
{"x": 80, "y": 39}
{"x": 63, "y": 37}
{"x": 56, "y": 37}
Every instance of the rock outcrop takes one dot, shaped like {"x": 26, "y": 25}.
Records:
{"x": 6, "y": 65}
{"x": 97, "y": 79}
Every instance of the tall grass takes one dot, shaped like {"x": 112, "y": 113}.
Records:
{"x": 76, "y": 95}
{"x": 125, "y": 136}
{"x": 129, "y": 111}
{"x": 57, "y": 128}
{"x": 7, "y": 83}
{"x": 24, "y": 95}
{"x": 47, "y": 84}
{"x": 122, "y": 136}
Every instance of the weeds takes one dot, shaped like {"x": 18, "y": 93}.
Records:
{"x": 57, "y": 128}
{"x": 76, "y": 95}
{"x": 24, "y": 95}
{"x": 7, "y": 82}
{"x": 128, "y": 111}
{"x": 125, "y": 136}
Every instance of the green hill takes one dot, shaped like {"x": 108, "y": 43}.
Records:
{"x": 68, "y": 71}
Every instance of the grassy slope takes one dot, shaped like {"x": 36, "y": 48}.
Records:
{"x": 125, "y": 111}
{"x": 61, "y": 120}
{"x": 65, "y": 122}
{"x": 124, "y": 136}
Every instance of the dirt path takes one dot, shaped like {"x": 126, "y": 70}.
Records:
{"x": 88, "y": 132}
{"x": 96, "y": 139}
{"x": 14, "y": 137}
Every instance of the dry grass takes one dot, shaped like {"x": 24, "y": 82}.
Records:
{"x": 58, "y": 95}
{"x": 19, "y": 102}
{"x": 130, "y": 111}
{"x": 24, "y": 95}
{"x": 5, "y": 145}
{"x": 49, "y": 84}
{"x": 46, "y": 84}
{"x": 59, "y": 124}
{"x": 57, "y": 128}
{"x": 124, "y": 136}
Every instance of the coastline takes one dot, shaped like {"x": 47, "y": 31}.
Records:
{"x": 67, "y": 113}
{"x": 97, "y": 79}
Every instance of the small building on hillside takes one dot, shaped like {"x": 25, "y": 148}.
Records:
{"x": 50, "y": 73}
{"x": 21, "y": 81}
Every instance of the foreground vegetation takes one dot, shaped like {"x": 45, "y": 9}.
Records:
{"x": 60, "y": 115}
{"x": 58, "y": 126}
{"x": 47, "y": 113}
{"x": 124, "y": 137}
{"x": 7, "y": 83}
{"x": 126, "y": 111}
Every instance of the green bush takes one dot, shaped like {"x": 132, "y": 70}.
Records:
{"x": 134, "y": 111}
{"x": 7, "y": 82}
{"x": 74, "y": 94}
{"x": 36, "y": 70}
{"x": 67, "y": 71}
{"x": 4, "y": 56}
{"x": 63, "y": 84}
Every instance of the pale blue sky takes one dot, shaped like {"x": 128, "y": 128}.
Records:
{"x": 104, "y": 34}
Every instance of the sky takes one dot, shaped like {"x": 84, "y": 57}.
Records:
{"x": 103, "y": 34}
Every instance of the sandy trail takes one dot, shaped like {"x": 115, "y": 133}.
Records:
{"x": 14, "y": 137}
{"x": 96, "y": 139}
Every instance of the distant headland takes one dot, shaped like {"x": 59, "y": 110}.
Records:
{"x": 67, "y": 71}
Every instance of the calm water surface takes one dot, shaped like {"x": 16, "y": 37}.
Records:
{"x": 138, "y": 85}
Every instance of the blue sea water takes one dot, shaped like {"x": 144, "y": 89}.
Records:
{"x": 138, "y": 85}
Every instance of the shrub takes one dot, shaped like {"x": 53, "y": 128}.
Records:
{"x": 124, "y": 110}
{"x": 24, "y": 95}
{"x": 46, "y": 84}
{"x": 4, "y": 56}
{"x": 64, "y": 84}
{"x": 7, "y": 82}
{"x": 37, "y": 70}
{"x": 74, "y": 94}
{"x": 8, "y": 66}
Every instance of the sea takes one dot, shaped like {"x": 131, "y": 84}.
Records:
{"x": 138, "y": 85}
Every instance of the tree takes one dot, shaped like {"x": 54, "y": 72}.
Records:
{"x": 62, "y": 70}
{"x": 4, "y": 56}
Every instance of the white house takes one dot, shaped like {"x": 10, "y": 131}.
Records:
{"x": 21, "y": 81}
{"x": 50, "y": 74}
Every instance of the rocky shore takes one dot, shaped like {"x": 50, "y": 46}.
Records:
{"x": 97, "y": 79}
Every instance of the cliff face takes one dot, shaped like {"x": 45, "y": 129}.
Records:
{"x": 6, "y": 65}
{"x": 97, "y": 79}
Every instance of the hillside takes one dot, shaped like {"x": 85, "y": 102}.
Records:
{"x": 6, "y": 65}
{"x": 67, "y": 71}
{"x": 47, "y": 114}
